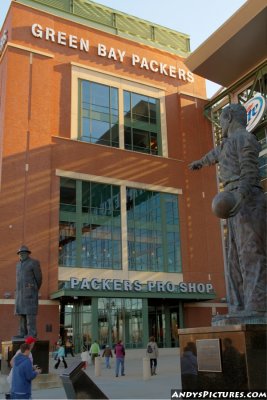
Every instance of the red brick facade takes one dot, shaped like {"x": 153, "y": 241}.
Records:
{"x": 35, "y": 134}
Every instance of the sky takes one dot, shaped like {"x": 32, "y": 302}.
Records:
{"x": 196, "y": 18}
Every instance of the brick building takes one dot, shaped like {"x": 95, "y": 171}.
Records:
{"x": 99, "y": 119}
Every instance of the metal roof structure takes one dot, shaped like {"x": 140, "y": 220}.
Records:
{"x": 118, "y": 23}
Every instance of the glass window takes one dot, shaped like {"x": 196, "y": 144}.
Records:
{"x": 68, "y": 195}
{"x": 153, "y": 231}
{"x": 141, "y": 123}
{"x": 91, "y": 236}
{"x": 76, "y": 324}
{"x": 99, "y": 114}
{"x": 120, "y": 319}
{"x": 67, "y": 243}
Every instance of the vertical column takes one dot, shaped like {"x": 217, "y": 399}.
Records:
{"x": 95, "y": 329}
{"x": 145, "y": 321}
{"x": 78, "y": 261}
{"x": 181, "y": 315}
{"x": 167, "y": 327}
{"x": 76, "y": 325}
{"x": 121, "y": 120}
{"x": 124, "y": 244}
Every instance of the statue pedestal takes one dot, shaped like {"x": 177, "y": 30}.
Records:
{"x": 232, "y": 357}
{"x": 40, "y": 353}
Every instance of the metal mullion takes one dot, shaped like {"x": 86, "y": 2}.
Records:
{"x": 78, "y": 223}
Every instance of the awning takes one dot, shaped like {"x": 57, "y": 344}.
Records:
{"x": 234, "y": 49}
{"x": 164, "y": 295}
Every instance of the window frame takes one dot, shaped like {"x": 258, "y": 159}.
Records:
{"x": 79, "y": 72}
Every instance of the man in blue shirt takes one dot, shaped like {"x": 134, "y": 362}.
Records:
{"x": 23, "y": 374}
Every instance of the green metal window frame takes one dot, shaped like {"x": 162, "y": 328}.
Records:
{"x": 153, "y": 231}
{"x": 142, "y": 128}
{"x": 90, "y": 236}
{"x": 117, "y": 23}
{"x": 91, "y": 113}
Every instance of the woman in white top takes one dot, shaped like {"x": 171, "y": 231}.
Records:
{"x": 152, "y": 353}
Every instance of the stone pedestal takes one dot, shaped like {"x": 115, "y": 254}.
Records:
{"x": 232, "y": 357}
{"x": 40, "y": 353}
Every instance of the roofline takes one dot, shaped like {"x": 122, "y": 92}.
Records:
{"x": 225, "y": 32}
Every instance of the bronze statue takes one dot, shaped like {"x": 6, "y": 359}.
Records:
{"x": 28, "y": 283}
{"x": 243, "y": 204}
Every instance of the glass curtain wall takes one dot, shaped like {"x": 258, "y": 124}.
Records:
{"x": 99, "y": 118}
{"x": 76, "y": 324}
{"x": 98, "y": 113}
{"x": 120, "y": 319}
{"x": 153, "y": 231}
{"x": 90, "y": 225}
{"x": 141, "y": 123}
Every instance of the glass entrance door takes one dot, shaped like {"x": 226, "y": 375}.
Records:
{"x": 156, "y": 324}
{"x": 120, "y": 319}
{"x": 174, "y": 327}
{"x": 76, "y": 324}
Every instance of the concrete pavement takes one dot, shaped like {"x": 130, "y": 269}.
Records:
{"x": 130, "y": 386}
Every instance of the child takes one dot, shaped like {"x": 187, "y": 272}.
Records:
{"x": 60, "y": 356}
{"x": 107, "y": 353}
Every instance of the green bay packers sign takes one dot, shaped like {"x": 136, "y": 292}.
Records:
{"x": 119, "y": 285}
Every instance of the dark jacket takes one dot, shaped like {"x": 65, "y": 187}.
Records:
{"x": 28, "y": 282}
{"x": 23, "y": 375}
{"x": 188, "y": 363}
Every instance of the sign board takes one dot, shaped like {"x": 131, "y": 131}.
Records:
{"x": 256, "y": 108}
{"x": 81, "y": 44}
{"x": 209, "y": 355}
{"x": 125, "y": 285}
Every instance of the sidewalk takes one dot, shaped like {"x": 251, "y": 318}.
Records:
{"x": 130, "y": 386}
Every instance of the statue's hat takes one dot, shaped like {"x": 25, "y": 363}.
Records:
{"x": 23, "y": 248}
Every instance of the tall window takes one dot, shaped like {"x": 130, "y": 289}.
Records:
{"x": 99, "y": 114}
{"x": 120, "y": 319}
{"x": 90, "y": 225}
{"x": 153, "y": 231}
{"x": 141, "y": 123}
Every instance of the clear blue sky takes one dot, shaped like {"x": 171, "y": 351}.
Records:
{"x": 197, "y": 18}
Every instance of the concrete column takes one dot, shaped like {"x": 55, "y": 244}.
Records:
{"x": 98, "y": 366}
{"x": 146, "y": 369}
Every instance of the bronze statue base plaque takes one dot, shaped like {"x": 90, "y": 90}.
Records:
{"x": 232, "y": 357}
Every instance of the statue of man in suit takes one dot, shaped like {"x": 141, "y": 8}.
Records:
{"x": 28, "y": 283}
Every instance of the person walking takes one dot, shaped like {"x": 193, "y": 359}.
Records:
{"x": 152, "y": 353}
{"x": 60, "y": 356}
{"x": 107, "y": 353}
{"x": 85, "y": 358}
{"x": 94, "y": 351}
{"x": 120, "y": 356}
{"x": 23, "y": 374}
{"x": 69, "y": 347}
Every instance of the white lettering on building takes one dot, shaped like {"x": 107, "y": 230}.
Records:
{"x": 111, "y": 53}
{"x": 119, "y": 285}
{"x": 60, "y": 37}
